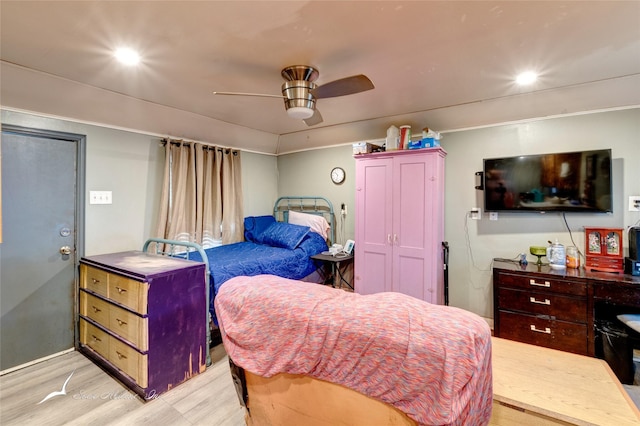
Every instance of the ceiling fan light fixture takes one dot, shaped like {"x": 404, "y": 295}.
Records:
{"x": 300, "y": 113}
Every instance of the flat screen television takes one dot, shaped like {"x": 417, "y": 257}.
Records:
{"x": 560, "y": 182}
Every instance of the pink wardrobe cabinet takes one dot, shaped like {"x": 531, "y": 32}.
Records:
{"x": 400, "y": 223}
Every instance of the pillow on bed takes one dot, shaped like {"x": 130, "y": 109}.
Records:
{"x": 317, "y": 223}
{"x": 285, "y": 235}
{"x": 254, "y": 227}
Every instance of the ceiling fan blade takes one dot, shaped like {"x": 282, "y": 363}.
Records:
{"x": 316, "y": 118}
{"x": 262, "y": 95}
{"x": 344, "y": 86}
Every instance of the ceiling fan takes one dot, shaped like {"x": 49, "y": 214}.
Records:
{"x": 300, "y": 93}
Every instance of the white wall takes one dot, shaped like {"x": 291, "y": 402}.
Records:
{"x": 131, "y": 165}
{"x": 259, "y": 183}
{"x": 475, "y": 243}
{"x": 307, "y": 173}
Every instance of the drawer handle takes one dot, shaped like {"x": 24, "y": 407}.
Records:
{"x": 96, "y": 338}
{"x": 121, "y": 290}
{"x": 120, "y": 322}
{"x": 121, "y": 356}
{"x": 95, "y": 281}
{"x": 546, "y": 330}
{"x": 533, "y": 282}
{"x": 96, "y": 309}
{"x": 540, "y": 302}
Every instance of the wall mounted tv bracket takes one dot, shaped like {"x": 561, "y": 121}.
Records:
{"x": 481, "y": 186}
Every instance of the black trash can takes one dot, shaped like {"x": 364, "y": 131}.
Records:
{"x": 617, "y": 349}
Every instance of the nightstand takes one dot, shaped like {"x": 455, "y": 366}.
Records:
{"x": 336, "y": 274}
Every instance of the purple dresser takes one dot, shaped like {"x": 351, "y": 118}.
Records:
{"x": 143, "y": 318}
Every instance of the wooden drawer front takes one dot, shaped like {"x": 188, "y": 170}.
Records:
{"x": 93, "y": 337}
{"x": 128, "y": 325}
{"x": 130, "y": 293}
{"x": 131, "y": 362}
{"x": 561, "y": 335}
{"x": 559, "y": 307}
{"x": 94, "y": 279}
{"x": 604, "y": 262}
{"x": 621, "y": 294}
{"x": 543, "y": 284}
{"x": 94, "y": 308}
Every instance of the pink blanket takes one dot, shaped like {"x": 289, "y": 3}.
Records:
{"x": 431, "y": 362}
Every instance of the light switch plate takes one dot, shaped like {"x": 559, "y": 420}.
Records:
{"x": 476, "y": 213}
{"x": 634, "y": 203}
{"x": 100, "y": 197}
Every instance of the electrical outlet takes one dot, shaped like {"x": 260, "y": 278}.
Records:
{"x": 493, "y": 216}
{"x": 343, "y": 210}
{"x": 634, "y": 203}
{"x": 476, "y": 213}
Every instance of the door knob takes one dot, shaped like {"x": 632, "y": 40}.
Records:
{"x": 65, "y": 250}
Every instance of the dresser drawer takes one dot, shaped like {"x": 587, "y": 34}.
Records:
{"x": 94, "y": 308}
{"x": 121, "y": 355}
{"x": 94, "y": 279}
{"x": 555, "y": 306}
{"x": 555, "y": 334}
{"x": 128, "y": 292}
{"x": 555, "y": 285}
{"x": 96, "y": 339}
{"x": 604, "y": 263}
{"x": 127, "y": 359}
{"x": 129, "y": 326}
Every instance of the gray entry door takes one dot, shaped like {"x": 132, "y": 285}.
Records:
{"x": 37, "y": 280}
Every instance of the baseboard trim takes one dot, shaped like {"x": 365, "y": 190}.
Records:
{"x": 35, "y": 361}
{"x": 489, "y": 321}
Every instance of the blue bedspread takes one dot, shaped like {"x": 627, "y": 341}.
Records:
{"x": 249, "y": 259}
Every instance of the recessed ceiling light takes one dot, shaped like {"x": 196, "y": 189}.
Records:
{"x": 127, "y": 56}
{"x": 527, "y": 77}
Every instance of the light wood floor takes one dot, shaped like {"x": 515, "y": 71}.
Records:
{"x": 93, "y": 397}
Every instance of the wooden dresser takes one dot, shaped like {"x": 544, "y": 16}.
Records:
{"x": 541, "y": 310}
{"x": 143, "y": 318}
{"x": 559, "y": 308}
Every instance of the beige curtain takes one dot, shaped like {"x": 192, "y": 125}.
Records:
{"x": 202, "y": 194}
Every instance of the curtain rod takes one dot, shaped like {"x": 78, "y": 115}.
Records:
{"x": 179, "y": 142}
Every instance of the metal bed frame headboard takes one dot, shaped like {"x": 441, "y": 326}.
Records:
{"x": 312, "y": 205}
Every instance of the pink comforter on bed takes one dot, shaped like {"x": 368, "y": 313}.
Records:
{"x": 431, "y": 362}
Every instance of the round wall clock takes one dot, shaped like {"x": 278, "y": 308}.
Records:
{"x": 337, "y": 175}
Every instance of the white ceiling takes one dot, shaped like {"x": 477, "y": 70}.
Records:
{"x": 443, "y": 64}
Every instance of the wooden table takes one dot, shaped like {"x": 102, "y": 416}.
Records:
{"x": 533, "y": 385}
